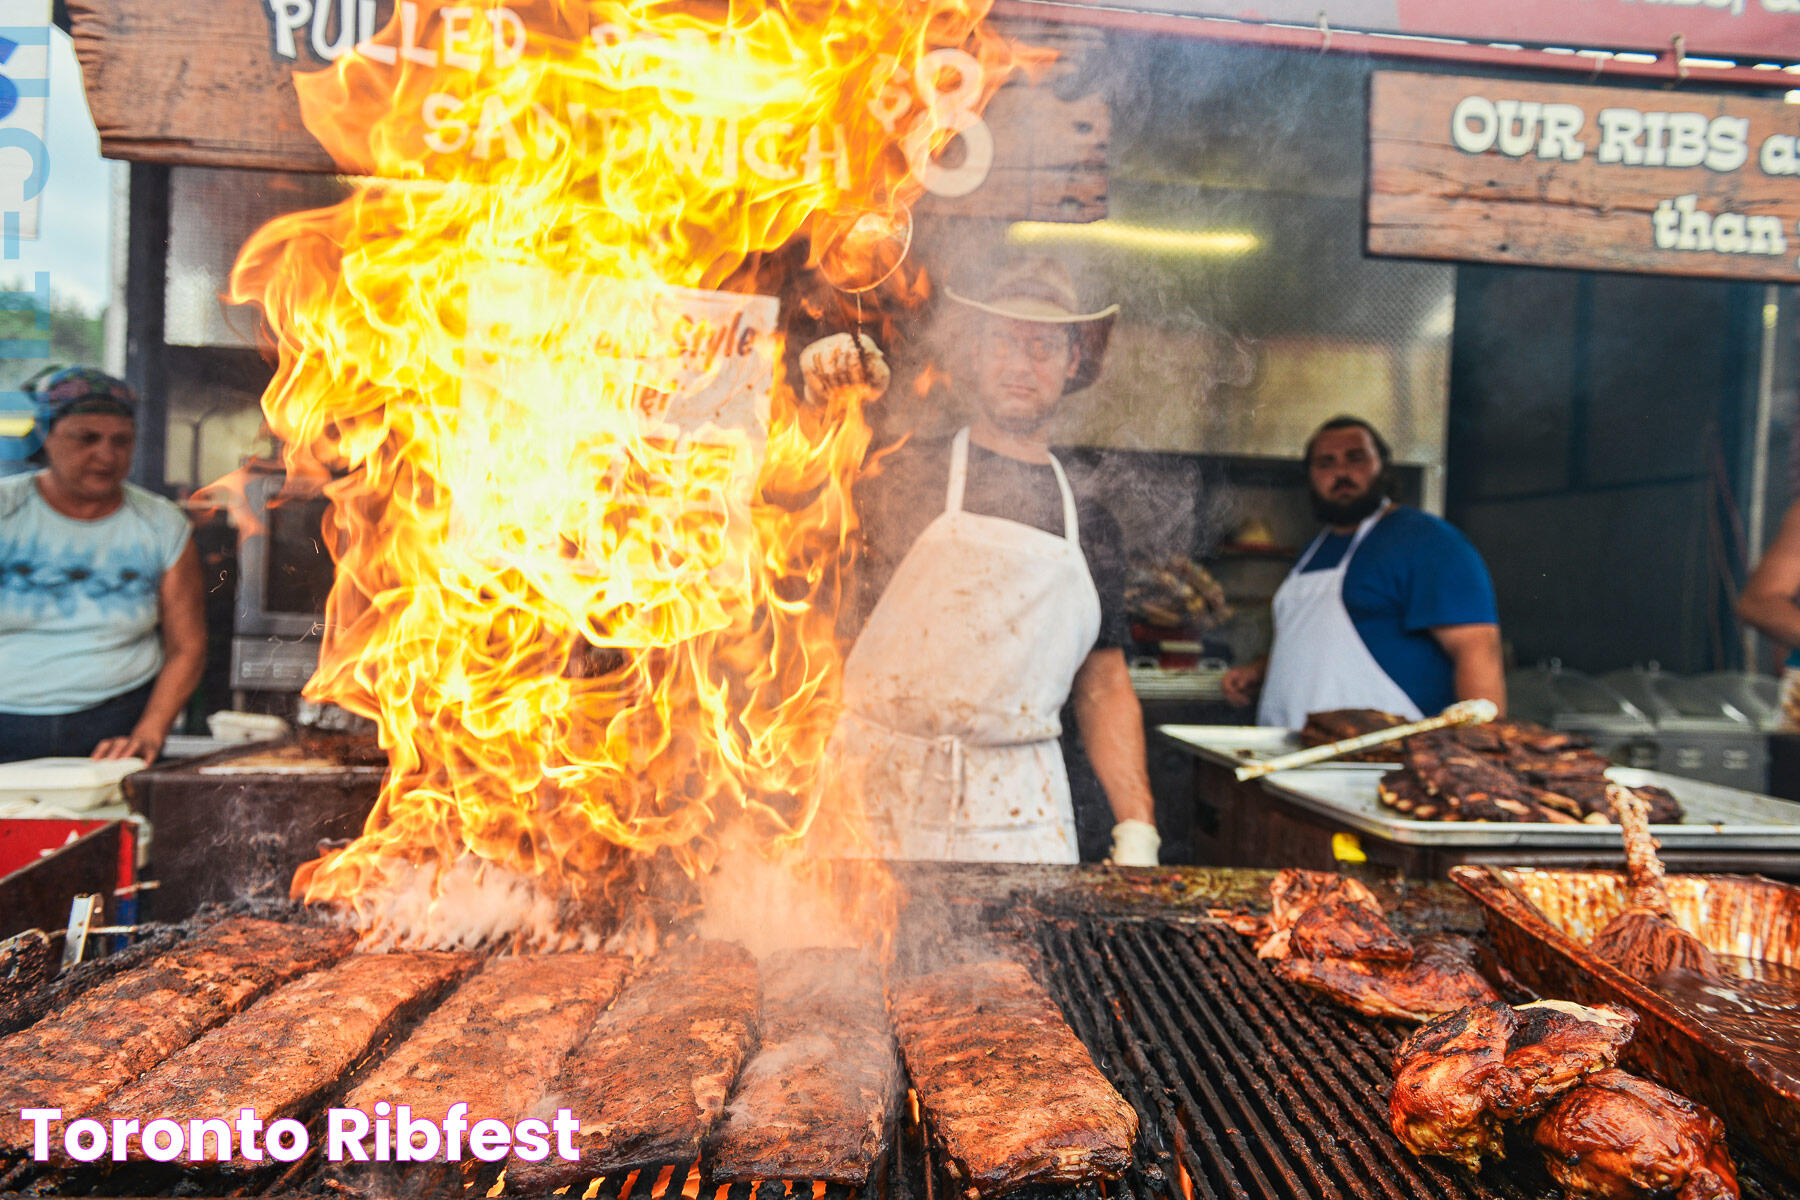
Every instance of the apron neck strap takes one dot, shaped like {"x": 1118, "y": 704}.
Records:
{"x": 1362, "y": 531}
{"x": 959, "y": 478}
{"x": 959, "y": 471}
{"x": 1071, "y": 526}
{"x": 1367, "y": 523}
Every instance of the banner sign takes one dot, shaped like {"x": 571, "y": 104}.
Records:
{"x": 1753, "y": 30}
{"x": 680, "y": 364}
{"x": 24, "y": 100}
{"x": 1597, "y": 178}
{"x": 210, "y": 83}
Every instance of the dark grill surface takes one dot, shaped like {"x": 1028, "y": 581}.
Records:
{"x": 1249, "y": 1088}
{"x": 1246, "y": 1087}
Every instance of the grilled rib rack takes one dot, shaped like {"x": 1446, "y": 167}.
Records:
{"x": 1246, "y": 1088}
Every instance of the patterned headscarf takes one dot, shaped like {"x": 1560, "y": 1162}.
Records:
{"x": 58, "y": 392}
{"x": 69, "y": 390}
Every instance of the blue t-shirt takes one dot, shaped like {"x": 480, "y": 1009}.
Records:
{"x": 1412, "y": 572}
{"x": 79, "y": 600}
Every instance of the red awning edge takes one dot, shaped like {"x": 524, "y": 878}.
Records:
{"x": 1671, "y": 67}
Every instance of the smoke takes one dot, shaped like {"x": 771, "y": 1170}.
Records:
{"x": 472, "y": 905}
{"x": 766, "y": 906}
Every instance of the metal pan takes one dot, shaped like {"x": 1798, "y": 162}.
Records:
{"x": 1541, "y": 922}
{"x": 1236, "y": 745}
{"x": 1718, "y": 818}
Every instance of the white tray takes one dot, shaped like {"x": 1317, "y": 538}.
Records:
{"x": 68, "y": 783}
{"x": 1718, "y": 818}
{"x": 1239, "y": 745}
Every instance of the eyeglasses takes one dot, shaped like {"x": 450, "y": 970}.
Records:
{"x": 1037, "y": 349}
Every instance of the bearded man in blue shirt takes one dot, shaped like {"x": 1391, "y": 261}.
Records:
{"x": 1389, "y": 608}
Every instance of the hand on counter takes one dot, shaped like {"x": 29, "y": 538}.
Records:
{"x": 1241, "y": 684}
{"x": 145, "y": 742}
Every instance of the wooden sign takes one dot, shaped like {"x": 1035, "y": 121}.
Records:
{"x": 1605, "y": 179}
{"x": 210, "y": 83}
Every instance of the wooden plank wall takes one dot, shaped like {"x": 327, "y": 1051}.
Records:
{"x": 198, "y": 82}
{"x": 1431, "y": 198}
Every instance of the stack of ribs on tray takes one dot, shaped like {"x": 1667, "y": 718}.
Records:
{"x": 1341, "y": 724}
{"x": 787, "y": 1069}
{"x": 1500, "y": 771}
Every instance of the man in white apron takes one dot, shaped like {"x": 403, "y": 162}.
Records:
{"x": 1389, "y": 608}
{"x": 988, "y": 618}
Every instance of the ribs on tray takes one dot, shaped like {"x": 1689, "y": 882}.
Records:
{"x": 1507, "y": 771}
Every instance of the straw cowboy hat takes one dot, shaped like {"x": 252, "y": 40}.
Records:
{"x": 1039, "y": 289}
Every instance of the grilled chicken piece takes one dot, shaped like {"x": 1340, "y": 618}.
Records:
{"x": 1340, "y": 927}
{"x": 1442, "y": 1076}
{"x": 1440, "y": 978}
{"x": 1554, "y": 1046}
{"x": 1458, "y": 1078}
{"x": 1295, "y": 892}
{"x": 1618, "y": 1137}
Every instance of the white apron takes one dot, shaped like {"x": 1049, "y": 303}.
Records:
{"x": 1319, "y": 661}
{"x": 954, "y": 690}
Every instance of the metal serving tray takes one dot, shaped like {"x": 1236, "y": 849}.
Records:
{"x": 1718, "y": 818}
{"x": 1238, "y": 745}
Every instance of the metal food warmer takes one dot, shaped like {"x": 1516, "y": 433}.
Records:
{"x": 235, "y": 825}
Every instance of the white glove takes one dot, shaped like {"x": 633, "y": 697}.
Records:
{"x": 1135, "y": 844}
{"x": 832, "y": 363}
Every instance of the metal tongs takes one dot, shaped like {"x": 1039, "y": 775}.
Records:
{"x": 1463, "y": 712}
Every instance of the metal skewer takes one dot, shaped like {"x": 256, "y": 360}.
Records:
{"x": 1464, "y": 712}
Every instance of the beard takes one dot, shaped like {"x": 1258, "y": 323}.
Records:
{"x": 1349, "y": 512}
{"x": 1018, "y": 417}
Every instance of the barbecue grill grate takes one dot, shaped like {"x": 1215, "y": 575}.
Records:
{"x": 1247, "y": 1089}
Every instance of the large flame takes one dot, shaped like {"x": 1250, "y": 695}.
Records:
{"x": 590, "y": 542}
